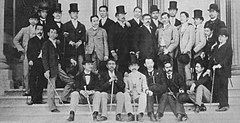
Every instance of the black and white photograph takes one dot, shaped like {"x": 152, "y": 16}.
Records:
{"x": 112, "y": 61}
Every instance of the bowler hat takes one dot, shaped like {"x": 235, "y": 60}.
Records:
{"x": 34, "y": 15}
{"x": 73, "y": 7}
{"x": 173, "y": 5}
{"x": 184, "y": 58}
{"x": 153, "y": 8}
{"x": 214, "y": 7}
{"x": 57, "y": 8}
{"x": 120, "y": 10}
{"x": 224, "y": 31}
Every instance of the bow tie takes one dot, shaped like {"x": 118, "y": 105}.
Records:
{"x": 87, "y": 74}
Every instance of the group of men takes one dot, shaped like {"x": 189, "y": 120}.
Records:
{"x": 145, "y": 60}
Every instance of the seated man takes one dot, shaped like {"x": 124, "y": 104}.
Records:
{"x": 136, "y": 90}
{"x": 156, "y": 84}
{"x": 92, "y": 83}
{"x": 109, "y": 77}
{"x": 175, "y": 87}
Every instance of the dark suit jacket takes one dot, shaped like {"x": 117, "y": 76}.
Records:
{"x": 75, "y": 34}
{"x": 175, "y": 83}
{"x": 34, "y": 48}
{"x": 217, "y": 25}
{"x": 206, "y": 81}
{"x": 80, "y": 82}
{"x": 154, "y": 27}
{"x": 133, "y": 29}
{"x": 222, "y": 56}
{"x": 158, "y": 86}
{"x": 145, "y": 42}
{"x": 50, "y": 58}
{"x": 108, "y": 25}
{"x": 119, "y": 86}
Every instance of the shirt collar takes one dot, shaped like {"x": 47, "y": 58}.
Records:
{"x": 53, "y": 41}
{"x": 136, "y": 19}
{"x": 74, "y": 20}
{"x": 85, "y": 72}
{"x": 40, "y": 37}
{"x": 43, "y": 19}
{"x": 213, "y": 19}
{"x": 57, "y": 20}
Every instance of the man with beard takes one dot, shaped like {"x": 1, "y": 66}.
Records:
{"x": 120, "y": 38}
{"x": 173, "y": 11}
{"x": 155, "y": 23}
{"x": 175, "y": 87}
{"x": 214, "y": 21}
{"x": 108, "y": 78}
{"x": 34, "y": 55}
{"x": 145, "y": 43}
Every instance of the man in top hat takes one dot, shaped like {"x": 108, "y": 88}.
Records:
{"x": 43, "y": 13}
{"x": 75, "y": 37}
{"x": 89, "y": 80}
{"x": 136, "y": 89}
{"x": 106, "y": 23}
{"x": 120, "y": 38}
{"x": 173, "y": 11}
{"x": 214, "y": 20}
{"x": 155, "y": 23}
{"x": 200, "y": 40}
{"x": 20, "y": 41}
{"x": 167, "y": 38}
{"x": 221, "y": 62}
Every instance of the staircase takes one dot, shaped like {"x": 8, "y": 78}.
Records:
{"x": 13, "y": 108}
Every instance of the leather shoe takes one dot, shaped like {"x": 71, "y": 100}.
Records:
{"x": 27, "y": 93}
{"x": 140, "y": 117}
{"x": 119, "y": 117}
{"x": 203, "y": 108}
{"x": 71, "y": 117}
{"x": 197, "y": 109}
{"x": 64, "y": 102}
{"x": 30, "y": 103}
{"x": 55, "y": 110}
{"x": 159, "y": 116}
{"x": 130, "y": 117}
{"x": 152, "y": 117}
{"x": 41, "y": 102}
{"x": 225, "y": 108}
{"x": 95, "y": 114}
{"x": 101, "y": 118}
{"x": 182, "y": 117}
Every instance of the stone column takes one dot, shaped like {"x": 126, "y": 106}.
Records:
{"x": 5, "y": 75}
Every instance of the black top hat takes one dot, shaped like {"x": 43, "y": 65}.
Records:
{"x": 173, "y": 5}
{"x": 133, "y": 59}
{"x": 57, "y": 7}
{"x": 120, "y": 10}
{"x": 197, "y": 13}
{"x": 153, "y": 8}
{"x": 88, "y": 59}
{"x": 73, "y": 7}
{"x": 43, "y": 6}
{"x": 184, "y": 58}
{"x": 213, "y": 7}
{"x": 224, "y": 31}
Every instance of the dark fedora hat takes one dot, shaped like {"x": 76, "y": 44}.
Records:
{"x": 57, "y": 7}
{"x": 43, "y": 6}
{"x": 120, "y": 10}
{"x": 173, "y": 5}
{"x": 198, "y": 14}
{"x": 153, "y": 8}
{"x": 184, "y": 58}
{"x": 73, "y": 7}
{"x": 213, "y": 7}
{"x": 224, "y": 31}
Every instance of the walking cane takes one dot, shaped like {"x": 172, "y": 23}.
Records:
{"x": 88, "y": 101}
{"x": 55, "y": 91}
{"x": 172, "y": 94}
{"x": 112, "y": 95}
{"x": 211, "y": 96}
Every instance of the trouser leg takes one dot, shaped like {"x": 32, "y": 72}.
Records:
{"x": 51, "y": 93}
{"x": 104, "y": 100}
{"x": 96, "y": 101}
{"x": 162, "y": 103}
{"x": 201, "y": 92}
{"x": 142, "y": 103}
{"x": 75, "y": 97}
{"x": 222, "y": 85}
{"x": 172, "y": 104}
{"x": 40, "y": 82}
{"x": 150, "y": 104}
{"x": 25, "y": 73}
{"x": 128, "y": 105}
{"x": 32, "y": 83}
{"x": 120, "y": 102}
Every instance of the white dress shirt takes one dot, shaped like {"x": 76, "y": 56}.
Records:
{"x": 74, "y": 22}
{"x": 87, "y": 77}
{"x": 103, "y": 20}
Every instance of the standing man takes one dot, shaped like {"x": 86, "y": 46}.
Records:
{"x": 155, "y": 23}
{"x": 25, "y": 34}
{"x": 135, "y": 23}
{"x": 106, "y": 23}
{"x": 43, "y": 13}
{"x": 91, "y": 81}
{"x": 120, "y": 38}
{"x": 36, "y": 76}
{"x": 187, "y": 40}
{"x": 96, "y": 43}
{"x": 216, "y": 23}
{"x": 221, "y": 63}
{"x": 76, "y": 37}
{"x": 145, "y": 43}
{"x": 156, "y": 84}
{"x": 173, "y": 11}
{"x": 175, "y": 87}
{"x": 109, "y": 77}
{"x": 200, "y": 40}
{"x": 167, "y": 38}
